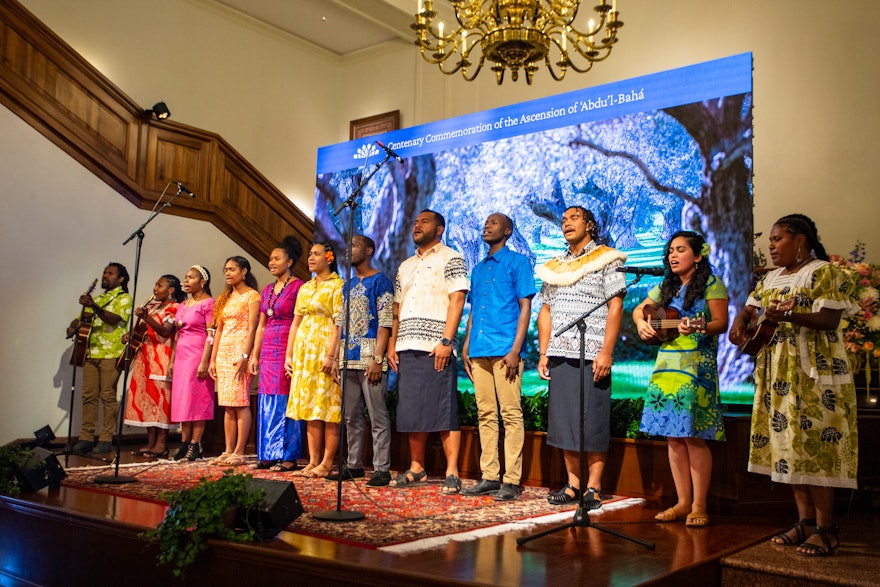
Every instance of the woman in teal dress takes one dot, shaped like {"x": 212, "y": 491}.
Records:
{"x": 804, "y": 415}
{"x": 683, "y": 401}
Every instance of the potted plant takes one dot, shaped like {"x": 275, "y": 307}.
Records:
{"x": 12, "y": 459}
{"x": 205, "y": 511}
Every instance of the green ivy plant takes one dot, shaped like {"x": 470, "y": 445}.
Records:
{"x": 12, "y": 458}
{"x": 196, "y": 514}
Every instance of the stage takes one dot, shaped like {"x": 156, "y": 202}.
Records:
{"x": 74, "y": 536}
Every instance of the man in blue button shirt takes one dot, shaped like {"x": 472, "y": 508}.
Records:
{"x": 502, "y": 287}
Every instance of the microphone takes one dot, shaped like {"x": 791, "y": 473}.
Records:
{"x": 184, "y": 189}
{"x": 390, "y": 152}
{"x": 655, "y": 271}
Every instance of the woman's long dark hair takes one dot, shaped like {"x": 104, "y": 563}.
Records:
{"x": 696, "y": 289}
{"x": 800, "y": 224}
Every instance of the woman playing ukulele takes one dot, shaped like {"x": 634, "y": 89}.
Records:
{"x": 683, "y": 401}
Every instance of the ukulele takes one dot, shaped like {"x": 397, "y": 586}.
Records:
{"x": 83, "y": 331}
{"x": 665, "y": 323}
{"x": 135, "y": 340}
{"x": 761, "y": 329}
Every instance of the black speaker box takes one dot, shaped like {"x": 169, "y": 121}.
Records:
{"x": 279, "y": 507}
{"x": 43, "y": 469}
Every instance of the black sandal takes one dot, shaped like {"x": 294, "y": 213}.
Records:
{"x": 563, "y": 498}
{"x": 785, "y": 540}
{"x": 818, "y": 549}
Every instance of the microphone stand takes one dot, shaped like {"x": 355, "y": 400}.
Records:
{"x": 340, "y": 515}
{"x": 581, "y": 517}
{"x": 116, "y": 478}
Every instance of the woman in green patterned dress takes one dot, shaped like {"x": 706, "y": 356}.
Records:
{"x": 683, "y": 402}
{"x": 804, "y": 416}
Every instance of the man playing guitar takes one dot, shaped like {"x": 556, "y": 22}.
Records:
{"x": 109, "y": 314}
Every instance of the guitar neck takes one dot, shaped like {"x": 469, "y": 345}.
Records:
{"x": 662, "y": 324}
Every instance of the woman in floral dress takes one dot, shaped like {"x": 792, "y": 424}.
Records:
{"x": 279, "y": 439}
{"x": 148, "y": 403}
{"x": 312, "y": 350}
{"x": 683, "y": 402}
{"x": 236, "y": 316}
{"x": 804, "y": 416}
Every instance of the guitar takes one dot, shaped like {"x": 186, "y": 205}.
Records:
{"x": 135, "y": 339}
{"x": 83, "y": 331}
{"x": 761, "y": 329}
{"x": 665, "y": 323}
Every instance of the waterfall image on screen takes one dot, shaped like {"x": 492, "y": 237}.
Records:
{"x": 648, "y": 156}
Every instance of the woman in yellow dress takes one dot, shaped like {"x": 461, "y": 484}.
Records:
{"x": 312, "y": 348}
{"x": 236, "y": 316}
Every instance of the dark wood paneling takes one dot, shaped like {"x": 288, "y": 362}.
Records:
{"x": 49, "y": 85}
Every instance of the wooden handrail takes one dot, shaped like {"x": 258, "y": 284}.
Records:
{"x": 53, "y": 88}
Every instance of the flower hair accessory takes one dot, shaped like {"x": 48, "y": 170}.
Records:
{"x": 705, "y": 249}
{"x": 329, "y": 256}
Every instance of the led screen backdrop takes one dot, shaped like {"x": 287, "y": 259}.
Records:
{"x": 649, "y": 156}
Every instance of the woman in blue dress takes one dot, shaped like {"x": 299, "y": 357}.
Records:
{"x": 683, "y": 401}
{"x": 279, "y": 439}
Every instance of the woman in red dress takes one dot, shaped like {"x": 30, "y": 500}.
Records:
{"x": 148, "y": 403}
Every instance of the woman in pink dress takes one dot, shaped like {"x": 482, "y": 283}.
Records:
{"x": 148, "y": 402}
{"x": 236, "y": 315}
{"x": 192, "y": 391}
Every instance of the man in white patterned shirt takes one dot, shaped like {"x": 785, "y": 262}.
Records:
{"x": 429, "y": 295}
{"x": 573, "y": 283}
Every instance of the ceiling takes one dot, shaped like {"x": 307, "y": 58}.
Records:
{"x": 342, "y": 27}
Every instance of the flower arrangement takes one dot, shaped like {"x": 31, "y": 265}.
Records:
{"x": 861, "y": 331}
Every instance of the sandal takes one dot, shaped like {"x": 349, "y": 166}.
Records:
{"x": 799, "y": 528}
{"x": 451, "y": 485}
{"x": 561, "y": 497}
{"x": 410, "y": 478}
{"x": 305, "y": 471}
{"x": 669, "y": 515}
{"x": 235, "y": 460}
{"x": 263, "y": 465}
{"x": 824, "y": 549}
{"x": 697, "y": 520}
{"x": 221, "y": 460}
{"x": 317, "y": 472}
{"x": 283, "y": 467}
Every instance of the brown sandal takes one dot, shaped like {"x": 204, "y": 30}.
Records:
{"x": 305, "y": 471}
{"x": 697, "y": 520}
{"x": 669, "y": 515}
{"x": 317, "y": 472}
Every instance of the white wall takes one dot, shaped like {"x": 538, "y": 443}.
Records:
{"x": 276, "y": 100}
{"x": 59, "y": 228}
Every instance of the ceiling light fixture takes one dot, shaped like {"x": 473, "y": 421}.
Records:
{"x": 517, "y": 35}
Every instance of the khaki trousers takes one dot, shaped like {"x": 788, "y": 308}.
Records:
{"x": 494, "y": 395}
{"x": 99, "y": 384}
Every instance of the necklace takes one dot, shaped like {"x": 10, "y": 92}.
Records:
{"x": 273, "y": 296}
{"x": 192, "y": 301}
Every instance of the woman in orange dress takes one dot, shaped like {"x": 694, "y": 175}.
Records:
{"x": 148, "y": 402}
{"x": 236, "y": 316}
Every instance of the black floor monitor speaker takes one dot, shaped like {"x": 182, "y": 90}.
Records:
{"x": 43, "y": 469}
{"x": 278, "y": 509}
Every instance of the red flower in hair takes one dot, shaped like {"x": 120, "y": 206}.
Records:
{"x": 329, "y": 256}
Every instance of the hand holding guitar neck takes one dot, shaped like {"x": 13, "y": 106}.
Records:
{"x": 83, "y": 329}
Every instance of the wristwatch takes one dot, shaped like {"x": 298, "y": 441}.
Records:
{"x": 445, "y": 341}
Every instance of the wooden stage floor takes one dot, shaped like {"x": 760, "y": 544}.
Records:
{"x": 99, "y": 534}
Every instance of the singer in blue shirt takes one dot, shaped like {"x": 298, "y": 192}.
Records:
{"x": 502, "y": 287}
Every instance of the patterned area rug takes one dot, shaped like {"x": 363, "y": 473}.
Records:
{"x": 415, "y": 518}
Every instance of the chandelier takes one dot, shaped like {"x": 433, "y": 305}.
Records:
{"x": 516, "y": 35}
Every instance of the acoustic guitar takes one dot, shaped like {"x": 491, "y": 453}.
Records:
{"x": 135, "y": 339}
{"x": 665, "y": 323}
{"x": 83, "y": 331}
{"x": 761, "y": 329}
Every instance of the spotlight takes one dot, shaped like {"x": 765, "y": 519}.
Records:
{"x": 160, "y": 110}
{"x": 44, "y": 437}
